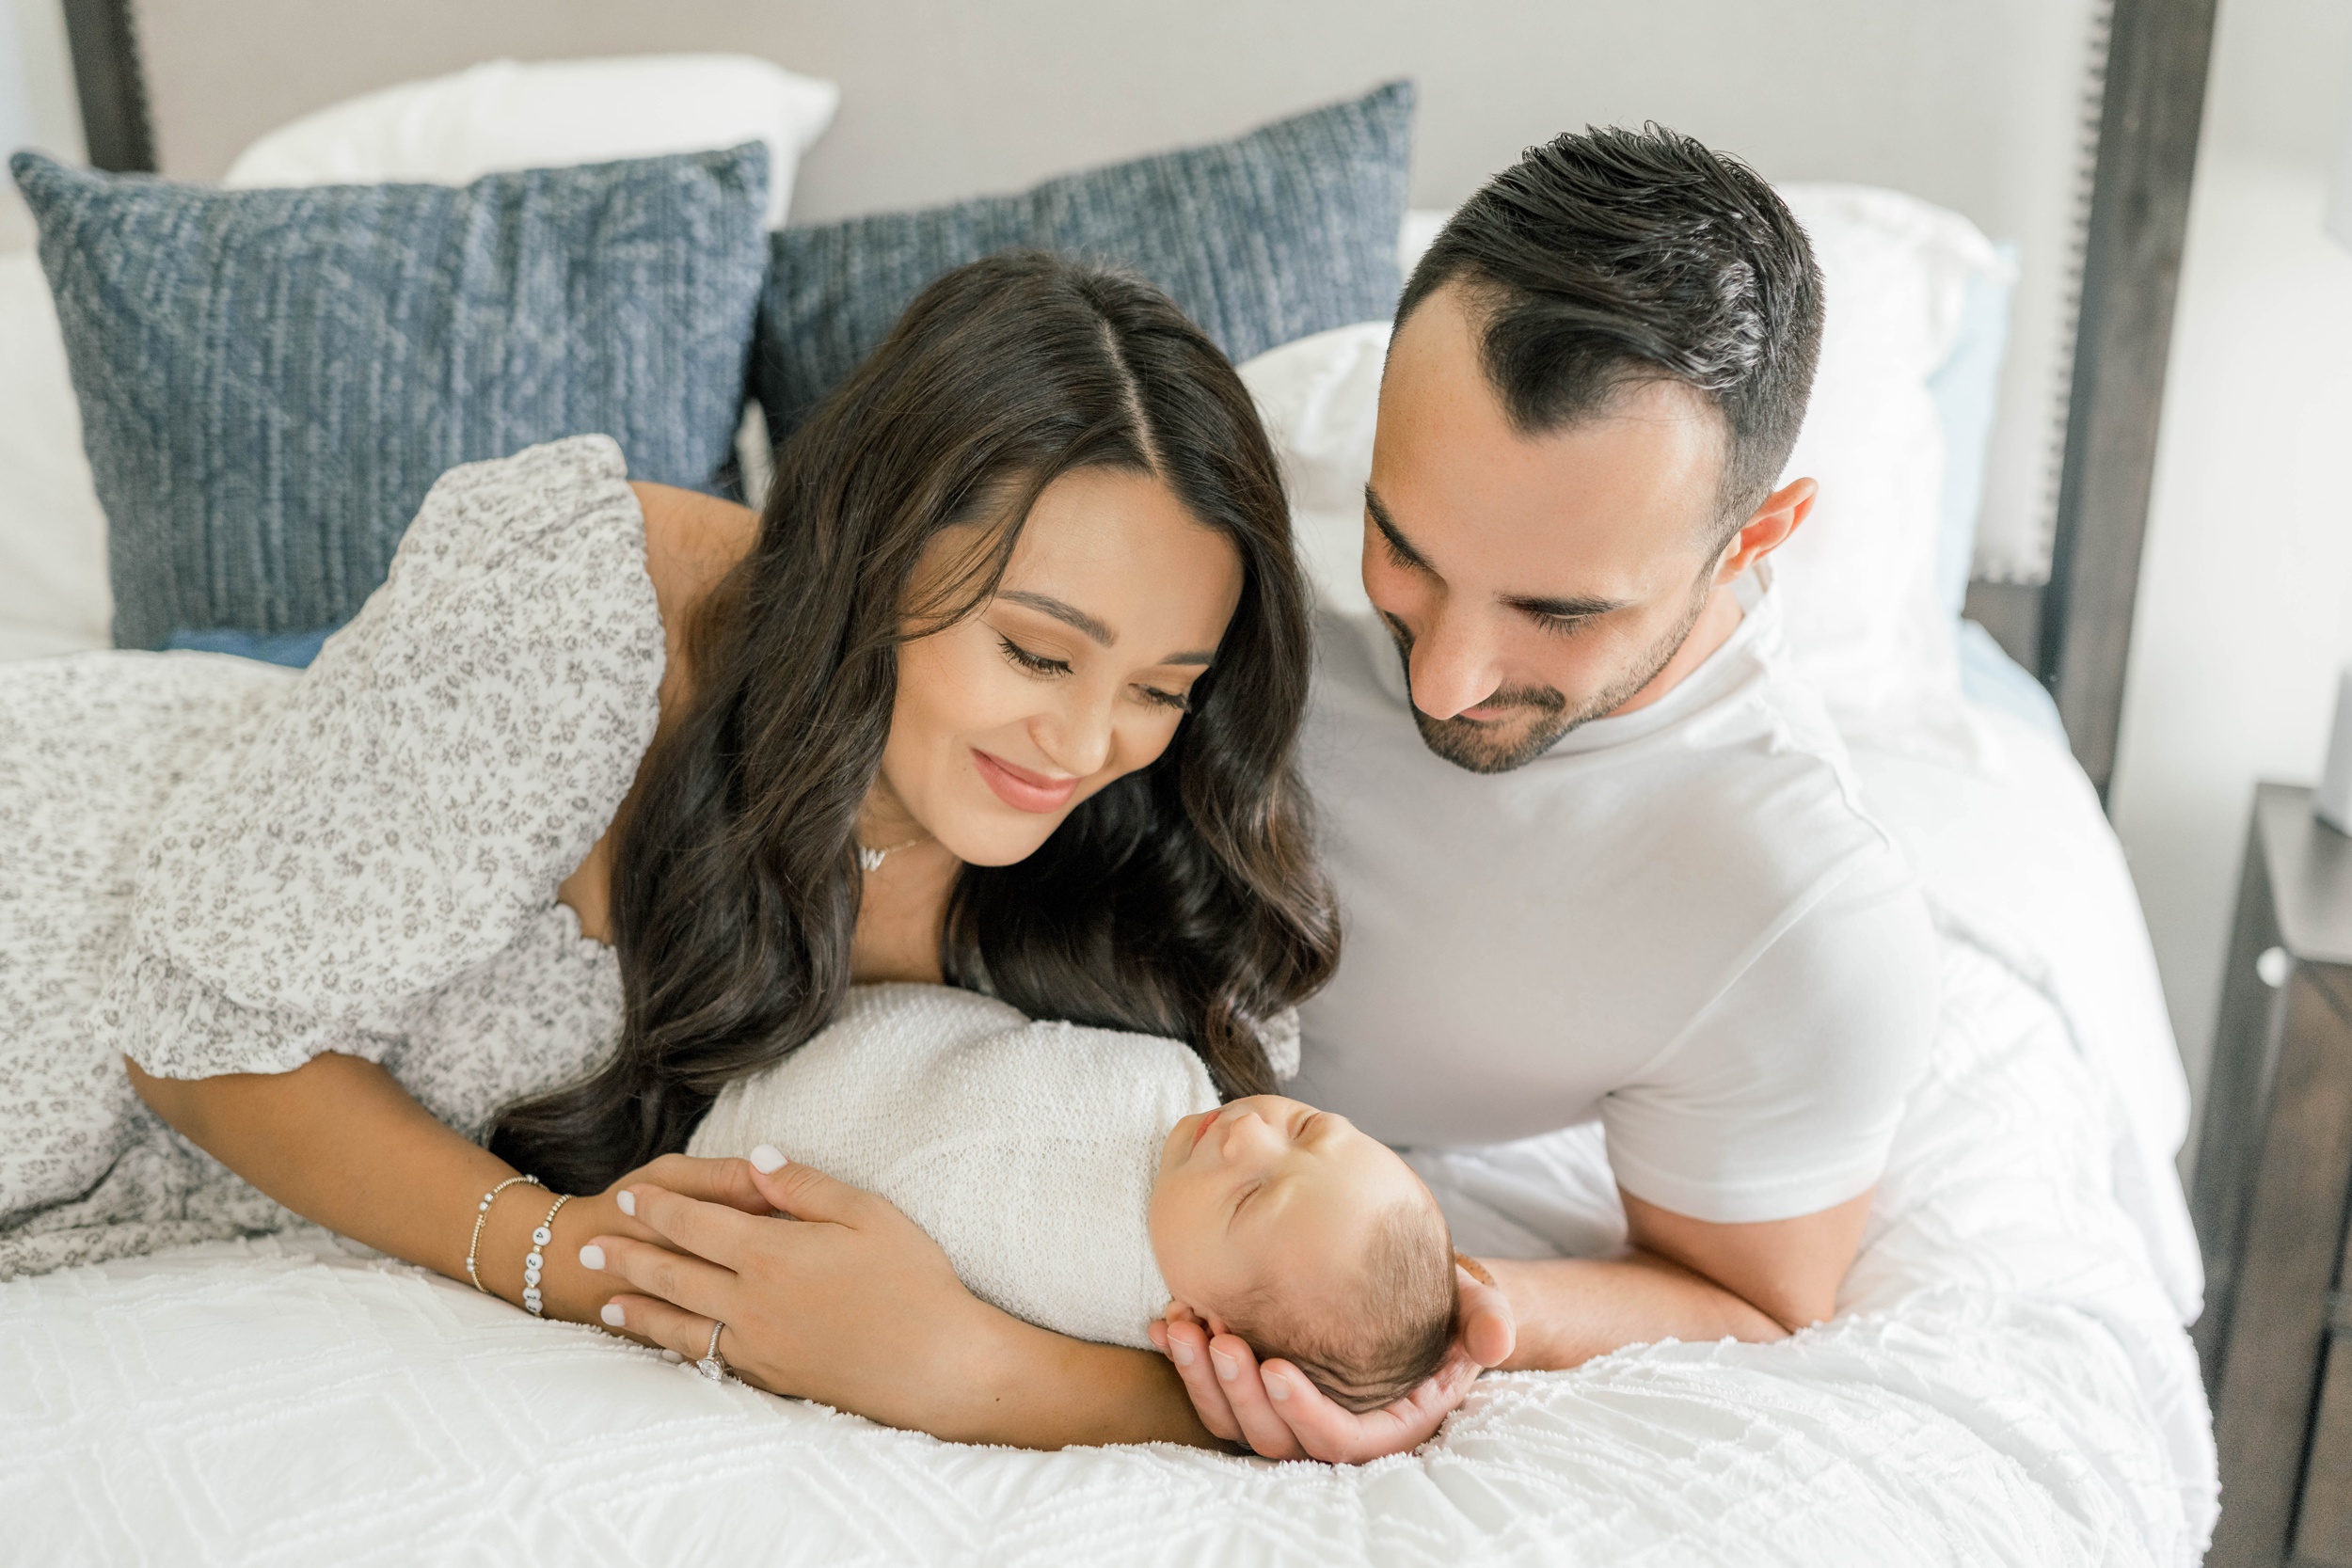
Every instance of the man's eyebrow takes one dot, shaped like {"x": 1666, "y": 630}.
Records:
{"x": 1071, "y": 615}
{"x": 1549, "y": 608}
{"x": 1564, "y": 609}
{"x": 1395, "y": 536}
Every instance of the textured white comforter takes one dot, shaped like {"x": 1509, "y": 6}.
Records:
{"x": 2009, "y": 1383}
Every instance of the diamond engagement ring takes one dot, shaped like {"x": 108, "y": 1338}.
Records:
{"x": 710, "y": 1366}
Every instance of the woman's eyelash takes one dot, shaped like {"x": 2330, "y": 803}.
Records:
{"x": 1035, "y": 664}
{"x": 1397, "y": 554}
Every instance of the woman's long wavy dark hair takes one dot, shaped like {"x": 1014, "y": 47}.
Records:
{"x": 1182, "y": 900}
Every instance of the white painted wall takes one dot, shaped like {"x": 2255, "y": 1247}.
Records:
{"x": 2245, "y": 610}
{"x": 1972, "y": 103}
{"x": 37, "y": 107}
{"x": 16, "y": 95}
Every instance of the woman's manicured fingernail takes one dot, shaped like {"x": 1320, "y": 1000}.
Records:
{"x": 612, "y": 1314}
{"x": 1181, "y": 1351}
{"x": 592, "y": 1257}
{"x": 1277, "y": 1387}
{"x": 671, "y": 1356}
{"x": 627, "y": 1200}
{"x": 768, "y": 1159}
{"x": 1225, "y": 1369}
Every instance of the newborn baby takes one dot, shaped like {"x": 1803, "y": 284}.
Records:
{"x": 1084, "y": 1179}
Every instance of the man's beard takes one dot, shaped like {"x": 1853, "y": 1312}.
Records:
{"x": 1485, "y": 747}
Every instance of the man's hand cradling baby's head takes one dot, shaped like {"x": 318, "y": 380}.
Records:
{"x": 1285, "y": 1226}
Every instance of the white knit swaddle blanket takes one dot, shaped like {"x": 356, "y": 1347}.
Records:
{"x": 1026, "y": 1150}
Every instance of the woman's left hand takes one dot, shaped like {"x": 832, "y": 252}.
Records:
{"x": 842, "y": 1299}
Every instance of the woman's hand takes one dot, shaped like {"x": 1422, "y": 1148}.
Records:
{"x": 1282, "y": 1415}
{"x": 578, "y": 1294}
{"x": 846, "y": 1301}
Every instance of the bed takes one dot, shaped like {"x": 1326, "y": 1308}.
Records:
{"x": 2007, "y": 1382}
{"x": 2007, "y": 1378}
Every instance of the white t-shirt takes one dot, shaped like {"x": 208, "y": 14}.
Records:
{"x": 1679, "y": 920}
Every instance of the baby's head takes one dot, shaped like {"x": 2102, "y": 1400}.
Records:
{"x": 1285, "y": 1226}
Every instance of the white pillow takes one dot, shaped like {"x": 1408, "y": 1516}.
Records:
{"x": 54, "y": 595}
{"x": 1319, "y": 399}
{"x": 1415, "y": 236}
{"x": 1864, "y": 618}
{"x": 506, "y": 114}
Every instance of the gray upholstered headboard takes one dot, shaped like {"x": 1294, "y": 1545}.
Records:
{"x": 1991, "y": 110}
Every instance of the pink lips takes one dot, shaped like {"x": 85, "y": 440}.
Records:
{"x": 1206, "y": 1123}
{"x": 1021, "y": 789}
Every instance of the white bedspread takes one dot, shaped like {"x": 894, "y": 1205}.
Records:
{"x": 2009, "y": 1383}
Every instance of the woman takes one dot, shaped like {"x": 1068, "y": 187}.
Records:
{"x": 1001, "y": 691}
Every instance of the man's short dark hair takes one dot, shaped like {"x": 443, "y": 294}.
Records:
{"x": 1613, "y": 257}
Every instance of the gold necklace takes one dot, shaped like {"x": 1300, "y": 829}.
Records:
{"x": 871, "y": 860}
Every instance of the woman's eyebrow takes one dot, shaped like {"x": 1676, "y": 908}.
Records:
{"x": 1067, "y": 614}
{"x": 1071, "y": 615}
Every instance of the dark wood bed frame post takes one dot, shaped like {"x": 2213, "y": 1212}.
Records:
{"x": 102, "y": 36}
{"x": 2149, "y": 118}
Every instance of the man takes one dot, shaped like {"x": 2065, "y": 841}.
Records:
{"x": 1597, "y": 849}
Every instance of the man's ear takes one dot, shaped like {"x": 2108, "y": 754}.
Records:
{"x": 1768, "y": 528}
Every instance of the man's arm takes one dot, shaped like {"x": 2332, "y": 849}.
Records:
{"x": 1810, "y": 1054}
{"x": 1682, "y": 1279}
{"x": 1675, "y": 1282}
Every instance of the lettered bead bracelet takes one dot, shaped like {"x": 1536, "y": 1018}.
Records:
{"x": 534, "y": 1264}
{"x": 481, "y": 1214}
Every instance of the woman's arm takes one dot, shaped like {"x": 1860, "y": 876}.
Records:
{"x": 850, "y": 1304}
{"x": 341, "y": 1143}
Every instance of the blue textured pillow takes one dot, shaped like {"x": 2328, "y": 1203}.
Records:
{"x": 1288, "y": 230}
{"x": 295, "y": 650}
{"x": 270, "y": 380}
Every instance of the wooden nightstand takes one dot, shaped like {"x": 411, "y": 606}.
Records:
{"x": 2274, "y": 1172}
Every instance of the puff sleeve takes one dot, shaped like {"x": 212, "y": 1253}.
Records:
{"x": 419, "y": 793}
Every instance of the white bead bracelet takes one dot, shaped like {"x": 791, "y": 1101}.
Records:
{"x": 537, "y": 1262}
{"x": 481, "y": 1214}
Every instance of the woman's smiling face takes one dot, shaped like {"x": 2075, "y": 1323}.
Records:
{"x": 1075, "y": 673}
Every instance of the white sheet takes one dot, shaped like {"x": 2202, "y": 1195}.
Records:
{"x": 2010, "y": 1383}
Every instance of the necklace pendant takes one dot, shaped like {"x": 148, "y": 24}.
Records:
{"x": 871, "y": 860}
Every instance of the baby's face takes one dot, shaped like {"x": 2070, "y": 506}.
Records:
{"x": 1266, "y": 1189}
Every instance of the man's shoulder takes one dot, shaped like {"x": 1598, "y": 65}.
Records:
{"x": 1745, "y": 773}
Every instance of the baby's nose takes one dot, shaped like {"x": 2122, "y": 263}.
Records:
{"x": 1248, "y": 1130}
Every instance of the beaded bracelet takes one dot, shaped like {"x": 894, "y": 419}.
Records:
{"x": 537, "y": 1262}
{"x": 479, "y": 1216}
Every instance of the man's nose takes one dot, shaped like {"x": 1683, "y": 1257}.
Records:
{"x": 1452, "y": 668}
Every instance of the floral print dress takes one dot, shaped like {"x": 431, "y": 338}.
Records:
{"x": 209, "y": 865}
